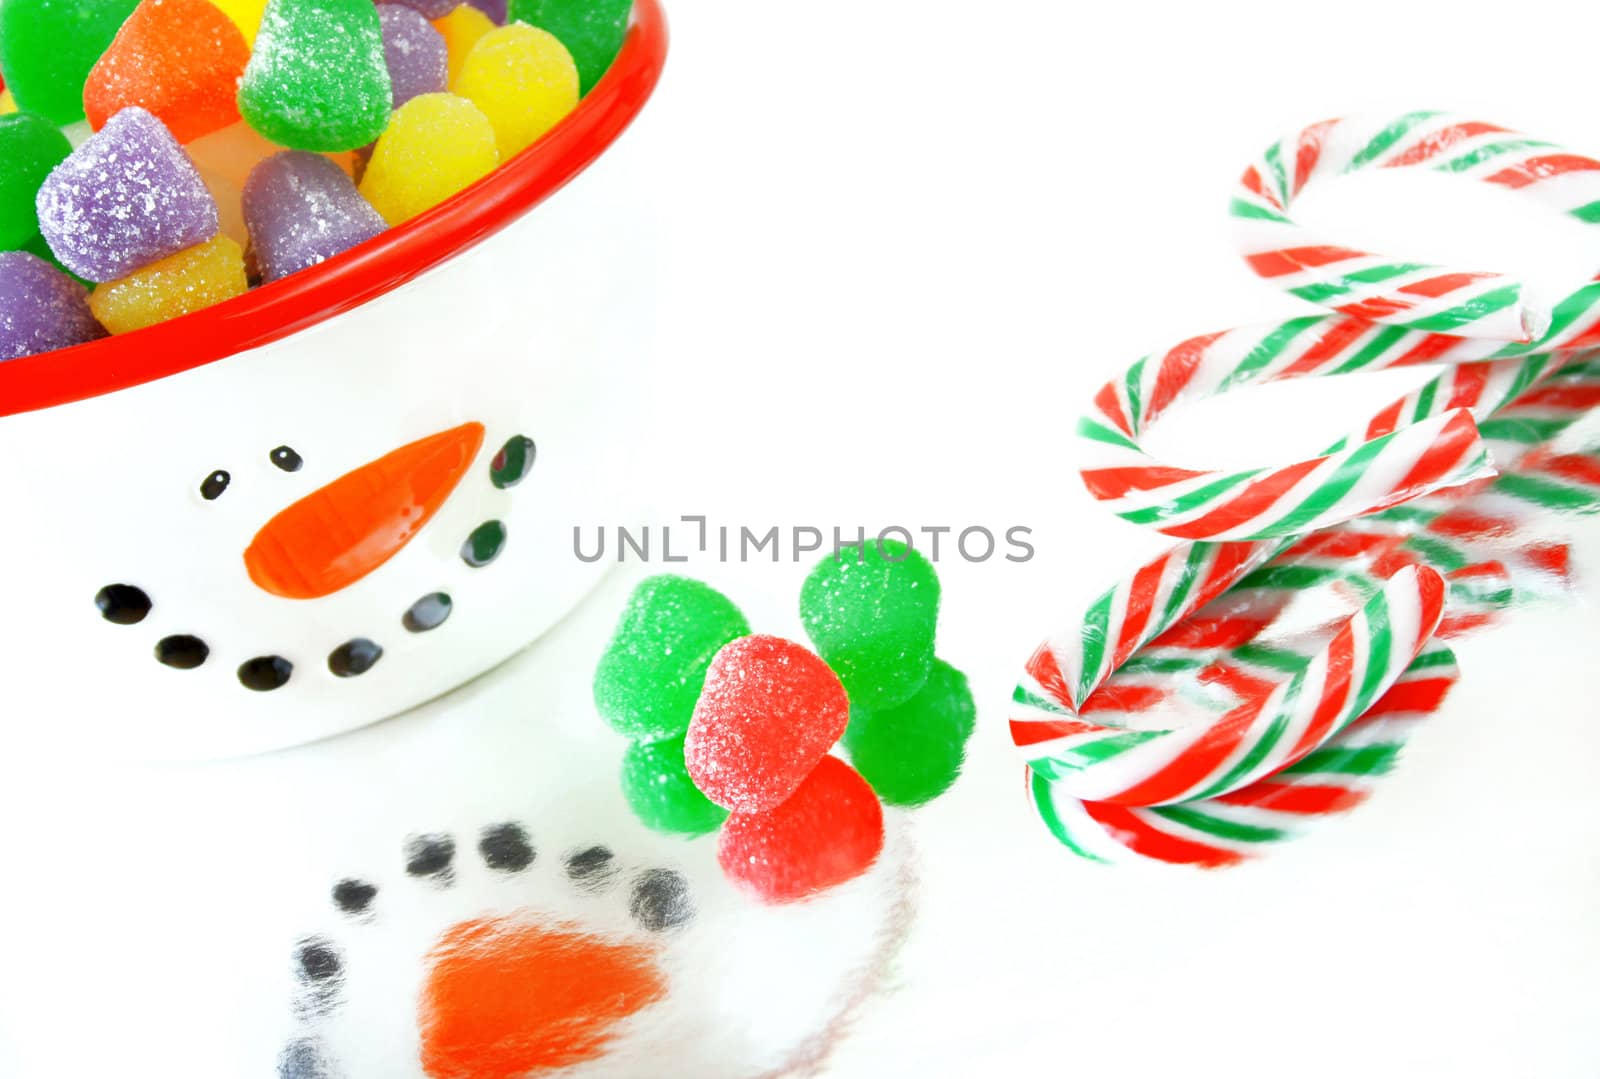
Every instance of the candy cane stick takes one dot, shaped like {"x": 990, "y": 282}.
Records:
{"x": 1405, "y": 292}
{"x": 1406, "y": 496}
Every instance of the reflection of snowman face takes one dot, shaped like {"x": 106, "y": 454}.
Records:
{"x": 441, "y": 894}
{"x": 337, "y": 535}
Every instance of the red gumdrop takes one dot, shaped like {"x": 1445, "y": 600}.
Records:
{"x": 828, "y": 832}
{"x": 769, "y": 711}
{"x": 180, "y": 60}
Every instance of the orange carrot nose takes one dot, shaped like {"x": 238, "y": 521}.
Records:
{"x": 336, "y": 535}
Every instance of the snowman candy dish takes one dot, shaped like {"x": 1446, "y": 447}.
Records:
{"x": 345, "y": 492}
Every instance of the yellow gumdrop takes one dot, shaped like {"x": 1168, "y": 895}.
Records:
{"x": 436, "y": 145}
{"x": 194, "y": 278}
{"x": 523, "y": 79}
{"x": 461, "y": 30}
{"x": 7, "y": 102}
{"x": 246, "y": 15}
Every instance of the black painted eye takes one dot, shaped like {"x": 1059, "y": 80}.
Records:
{"x": 213, "y": 486}
{"x": 182, "y": 651}
{"x": 122, "y": 603}
{"x": 265, "y": 673}
{"x": 286, "y": 459}
{"x": 354, "y": 657}
{"x": 513, "y": 463}
{"x": 484, "y": 544}
{"x": 427, "y": 613}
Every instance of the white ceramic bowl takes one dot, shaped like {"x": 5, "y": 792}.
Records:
{"x": 359, "y": 410}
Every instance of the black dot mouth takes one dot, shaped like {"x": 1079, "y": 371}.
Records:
{"x": 265, "y": 673}
{"x": 354, "y": 657}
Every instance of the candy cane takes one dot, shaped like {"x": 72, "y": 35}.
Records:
{"x": 1403, "y": 292}
{"x": 1378, "y": 518}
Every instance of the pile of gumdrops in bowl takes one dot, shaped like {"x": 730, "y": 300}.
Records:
{"x": 161, "y": 156}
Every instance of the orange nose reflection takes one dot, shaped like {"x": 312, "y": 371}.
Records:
{"x": 335, "y": 536}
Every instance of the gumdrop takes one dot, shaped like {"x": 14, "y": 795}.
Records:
{"x": 234, "y": 152}
{"x": 872, "y": 611}
{"x": 592, "y": 30}
{"x": 300, "y": 210}
{"x": 436, "y": 145}
{"x": 829, "y": 832}
{"x": 124, "y": 199}
{"x": 48, "y": 46}
{"x": 188, "y": 281}
{"x": 30, "y": 146}
{"x": 913, "y": 752}
{"x": 495, "y": 9}
{"x": 647, "y": 682}
{"x": 523, "y": 81}
{"x": 431, "y": 9}
{"x": 179, "y": 60}
{"x": 770, "y": 710}
{"x": 41, "y": 308}
{"x": 317, "y": 79}
{"x": 656, "y": 783}
{"x": 245, "y": 14}
{"x": 461, "y": 30}
{"x": 414, "y": 51}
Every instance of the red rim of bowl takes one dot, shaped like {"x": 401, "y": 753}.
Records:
{"x": 271, "y": 312}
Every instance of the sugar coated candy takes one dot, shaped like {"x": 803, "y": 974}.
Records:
{"x": 656, "y": 783}
{"x": 301, "y": 209}
{"x": 179, "y": 60}
{"x": 872, "y": 611}
{"x": 770, "y": 710}
{"x": 431, "y": 9}
{"x": 592, "y": 30}
{"x": 494, "y": 9}
{"x": 41, "y": 308}
{"x": 176, "y": 285}
{"x": 317, "y": 79}
{"x": 523, "y": 81}
{"x": 414, "y": 51}
{"x": 912, "y": 753}
{"x": 647, "y": 682}
{"x": 30, "y": 146}
{"x": 461, "y": 30}
{"x": 245, "y": 14}
{"x": 48, "y": 46}
{"x": 126, "y": 197}
{"x": 436, "y": 145}
{"x": 829, "y": 832}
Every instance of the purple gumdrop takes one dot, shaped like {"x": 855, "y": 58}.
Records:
{"x": 415, "y": 52}
{"x": 301, "y": 209}
{"x": 495, "y": 9}
{"x": 125, "y": 198}
{"x": 432, "y": 9}
{"x": 41, "y": 308}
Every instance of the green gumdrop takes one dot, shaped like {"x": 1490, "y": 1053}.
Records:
{"x": 47, "y": 48}
{"x": 872, "y": 610}
{"x": 592, "y": 30}
{"x": 30, "y": 146}
{"x": 655, "y": 780}
{"x": 647, "y": 682}
{"x": 912, "y": 753}
{"x": 317, "y": 79}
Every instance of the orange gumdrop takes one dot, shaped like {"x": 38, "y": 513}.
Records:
{"x": 178, "y": 59}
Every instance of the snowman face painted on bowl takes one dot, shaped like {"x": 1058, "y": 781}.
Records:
{"x": 333, "y": 538}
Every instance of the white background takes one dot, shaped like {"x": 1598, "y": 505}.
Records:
{"x": 901, "y": 246}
